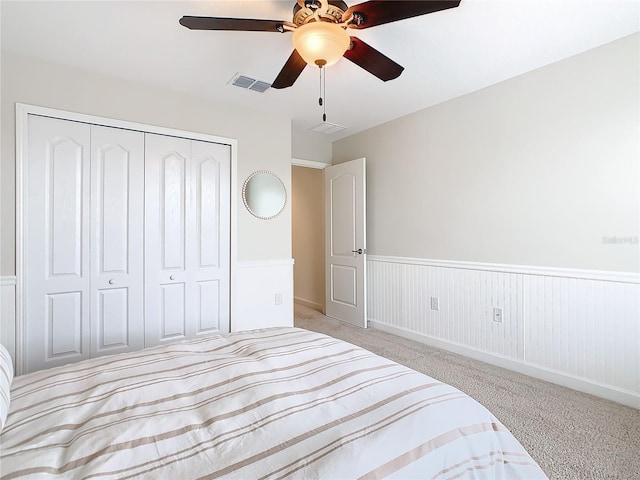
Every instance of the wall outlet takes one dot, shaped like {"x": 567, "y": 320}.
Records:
{"x": 278, "y": 298}
{"x": 497, "y": 315}
{"x": 434, "y": 303}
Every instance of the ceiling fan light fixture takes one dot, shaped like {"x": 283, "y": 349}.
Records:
{"x": 321, "y": 43}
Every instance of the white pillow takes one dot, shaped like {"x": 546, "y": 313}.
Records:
{"x": 6, "y": 377}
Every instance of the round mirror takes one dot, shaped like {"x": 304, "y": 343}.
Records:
{"x": 264, "y": 194}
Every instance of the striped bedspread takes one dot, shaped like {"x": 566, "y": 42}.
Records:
{"x": 272, "y": 403}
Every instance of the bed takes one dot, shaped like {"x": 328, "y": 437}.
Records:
{"x": 266, "y": 404}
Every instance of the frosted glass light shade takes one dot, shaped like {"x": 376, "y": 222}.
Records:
{"x": 321, "y": 43}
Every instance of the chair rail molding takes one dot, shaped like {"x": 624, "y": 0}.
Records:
{"x": 607, "y": 276}
{"x": 577, "y": 328}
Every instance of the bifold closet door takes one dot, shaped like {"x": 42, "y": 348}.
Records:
{"x": 187, "y": 238}
{"x": 57, "y": 274}
{"x": 83, "y": 242}
{"x": 117, "y": 241}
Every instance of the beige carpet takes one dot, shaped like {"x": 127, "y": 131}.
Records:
{"x": 570, "y": 434}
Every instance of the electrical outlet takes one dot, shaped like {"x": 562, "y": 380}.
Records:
{"x": 278, "y": 299}
{"x": 434, "y": 303}
{"x": 497, "y": 315}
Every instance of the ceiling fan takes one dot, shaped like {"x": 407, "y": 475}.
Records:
{"x": 320, "y": 33}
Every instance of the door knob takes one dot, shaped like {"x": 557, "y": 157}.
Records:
{"x": 358, "y": 251}
{"x": 112, "y": 281}
{"x": 172, "y": 277}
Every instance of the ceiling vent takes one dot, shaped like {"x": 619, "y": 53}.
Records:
{"x": 259, "y": 86}
{"x": 243, "y": 81}
{"x": 327, "y": 128}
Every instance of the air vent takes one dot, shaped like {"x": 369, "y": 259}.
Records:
{"x": 243, "y": 81}
{"x": 327, "y": 128}
{"x": 259, "y": 86}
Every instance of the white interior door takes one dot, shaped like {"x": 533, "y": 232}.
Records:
{"x": 345, "y": 242}
{"x": 117, "y": 271}
{"x": 187, "y": 238}
{"x": 57, "y": 271}
{"x": 166, "y": 206}
{"x": 209, "y": 248}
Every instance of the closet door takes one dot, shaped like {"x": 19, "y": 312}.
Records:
{"x": 117, "y": 273}
{"x": 57, "y": 271}
{"x": 208, "y": 257}
{"x": 186, "y": 238}
{"x": 166, "y": 206}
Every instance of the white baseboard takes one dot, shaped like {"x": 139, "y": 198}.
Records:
{"x": 307, "y": 303}
{"x": 559, "y": 378}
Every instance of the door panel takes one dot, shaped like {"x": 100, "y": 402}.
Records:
{"x": 344, "y": 285}
{"x": 209, "y": 314}
{"x": 345, "y": 249}
{"x": 173, "y": 205}
{"x": 113, "y": 207}
{"x": 64, "y": 325}
{"x": 117, "y": 277}
{"x": 343, "y": 214}
{"x": 56, "y": 213}
{"x": 208, "y": 212}
{"x": 113, "y": 318}
{"x": 172, "y": 313}
{"x": 64, "y": 171}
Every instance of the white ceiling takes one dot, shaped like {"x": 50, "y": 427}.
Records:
{"x": 445, "y": 54}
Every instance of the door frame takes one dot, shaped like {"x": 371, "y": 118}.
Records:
{"x": 23, "y": 111}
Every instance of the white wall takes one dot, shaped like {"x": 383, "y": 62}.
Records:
{"x": 513, "y": 197}
{"x": 266, "y": 296}
{"x": 536, "y": 170}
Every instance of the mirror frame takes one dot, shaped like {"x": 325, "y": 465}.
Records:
{"x": 244, "y": 194}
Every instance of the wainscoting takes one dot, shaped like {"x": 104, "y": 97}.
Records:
{"x": 8, "y": 313}
{"x": 576, "y": 328}
{"x": 263, "y": 295}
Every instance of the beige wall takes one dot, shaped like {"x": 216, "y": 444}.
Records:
{"x": 312, "y": 146}
{"x": 307, "y": 204}
{"x": 536, "y": 170}
{"x": 264, "y": 141}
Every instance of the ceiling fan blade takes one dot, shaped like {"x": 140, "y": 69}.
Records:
{"x": 242, "y": 24}
{"x": 372, "y": 60}
{"x": 290, "y": 72}
{"x": 376, "y": 12}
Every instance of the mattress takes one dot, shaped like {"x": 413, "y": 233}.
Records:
{"x": 265, "y": 404}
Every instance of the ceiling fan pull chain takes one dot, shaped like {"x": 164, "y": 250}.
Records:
{"x": 320, "y": 85}
{"x": 324, "y": 94}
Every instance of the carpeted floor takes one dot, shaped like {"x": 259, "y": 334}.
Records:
{"x": 572, "y": 435}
